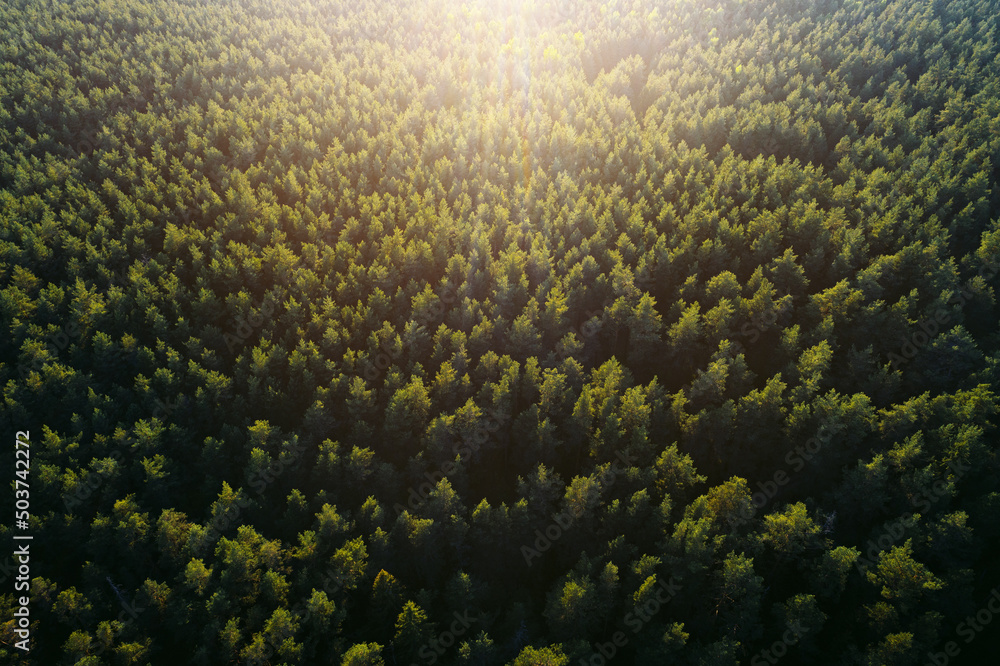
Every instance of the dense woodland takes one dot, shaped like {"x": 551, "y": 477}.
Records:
{"x": 396, "y": 332}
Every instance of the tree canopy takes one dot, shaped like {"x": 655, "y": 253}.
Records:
{"x": 501, "y": 332}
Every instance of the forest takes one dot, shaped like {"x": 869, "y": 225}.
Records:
{"x": 499, "y": 332}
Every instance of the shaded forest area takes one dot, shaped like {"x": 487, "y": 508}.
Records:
{"x": 493, "y": 333}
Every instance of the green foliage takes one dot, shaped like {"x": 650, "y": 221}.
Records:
{"x": 320, "y": 314}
